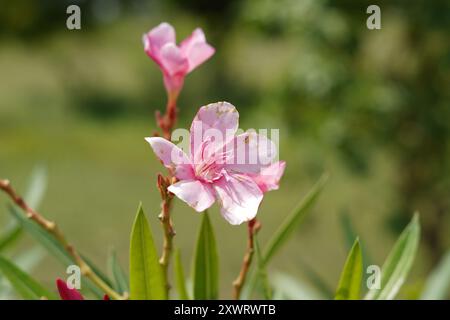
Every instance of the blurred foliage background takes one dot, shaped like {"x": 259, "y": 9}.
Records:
{"x": 371, "y": 107}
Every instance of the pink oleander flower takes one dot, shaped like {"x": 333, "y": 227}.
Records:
{"x": 176, "y": 61}
{"x": 235, "y": 170}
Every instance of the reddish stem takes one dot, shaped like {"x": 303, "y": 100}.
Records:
{"x": 252, "y": 227}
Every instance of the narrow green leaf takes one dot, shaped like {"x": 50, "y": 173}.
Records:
{"x": 97, "y": 271}
{"x": 288, "y": 287}
{"x": 26, "y": 286}
{"x": 26, "y": 261}
{"x": 47, "y": 240}
{"x": 180, "y": 280}
{"x": 206, "y": 266}
{"x": 52, "y": 246}
{"x": 293, "y": 220}
{"x": 397, "y": 265}
{"x": 10, "y": 237}
{"x": 120, "y": 278}
{"x": 146, "y": 274}
{"x": 350, "y": 282}
{"x": 350, "y": 234}
{"x": 437, "y": 285}
{"x": 261, "y": 271}
{"x": 288, "y": 226}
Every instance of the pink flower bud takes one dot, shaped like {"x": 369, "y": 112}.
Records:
{"x": 176, "y": 61}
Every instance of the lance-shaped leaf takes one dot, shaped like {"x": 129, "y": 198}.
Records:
{"x": 180, "y": 280}
{"x": 350, "y": 282}
{"x": 146, "y": 274}
{"x": 397, "y": 265}
{"x": 438, "y": 283}
{"x": 206, "y": 266}
{"x": 26, "y": 286}
{"x": 293, "y": 220}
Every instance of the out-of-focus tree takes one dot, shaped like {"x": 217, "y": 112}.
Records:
{"x": 364, "y": 89}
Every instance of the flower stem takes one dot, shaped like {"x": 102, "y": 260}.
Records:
{"x": 253, "y": 226}
{"x": 167, "y": 121}
{"x": 53, "y": 229}
{"x": 166, "y": 223}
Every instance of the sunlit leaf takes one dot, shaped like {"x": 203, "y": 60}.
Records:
{"x": 437, "y": 285}
{"x": 26, "y": 286}
{"x": 397, "y": 265}
{"x": 146, "y": 274}
{"x": 350, "y": 234}
{"x": 349, "y": 286}
{"x": 206, "y": 266}
{"x": 180, "y": 280}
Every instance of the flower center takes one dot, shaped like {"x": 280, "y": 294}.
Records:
{"x": 208, "y": 172}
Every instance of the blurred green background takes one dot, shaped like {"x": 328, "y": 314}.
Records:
{"x": 372, "y": 108}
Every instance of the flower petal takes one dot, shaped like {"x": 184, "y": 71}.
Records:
{"x": 269, "y": 178}
{"x": 172, "y": 60}
{"x": 66, "y": 293}
{"x": 156, "y": 38}
{"x": 239, "y": 198}
{"x": 198, "y": 195}
{"x": 218, "y": 121}
{"x": 249, "y": 153}
{"x": 196, "y": 49}
{"x": 172, "y": 157}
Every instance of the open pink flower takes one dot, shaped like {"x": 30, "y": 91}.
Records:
{"x": 176, "y": 61}
{"x": 235, "y": 170}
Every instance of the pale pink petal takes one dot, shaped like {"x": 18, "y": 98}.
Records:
{"x": 198, "y": 195}
{"x": 196, "y": 37}
{"x": 156, "y": 38}
{"x": 196, "y": 49}
{"x": 199, "y": 54}
{"x": 172, "y": 157}
{"x": 217, "y": 122}
{"x": 249, "y": 153}
{"x": 172, "y": 61}
{"x": 239, "y": 198}
{"x": 269, "y": 178}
